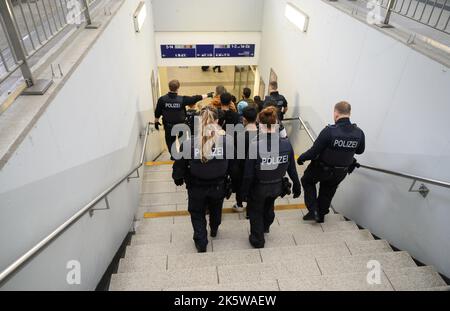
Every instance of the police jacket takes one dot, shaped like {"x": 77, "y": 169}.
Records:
{"x": 271, "y": 163}
{"x": 337, "y": 144}
{"x": 190, "y": 119}
{"x": 172, "y": 107}
{"x": 191, "y": 168}
{"x": 279, "y": 100}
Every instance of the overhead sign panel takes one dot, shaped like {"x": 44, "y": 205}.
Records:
{"x": 207, "y": 50}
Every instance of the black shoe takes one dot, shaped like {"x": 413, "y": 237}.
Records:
{"x": 200, "y": 249}
{"x": 267, "y": 230}
{"x": 213, "y": 233}
{"x": 309, "y": 216}
{"x": 254, "y": 244}
{"x": 319, "y": 217}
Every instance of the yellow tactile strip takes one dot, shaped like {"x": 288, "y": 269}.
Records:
{"x": 224, "y": 211}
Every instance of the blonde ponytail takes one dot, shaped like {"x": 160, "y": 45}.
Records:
{"x": 209, "y": 133}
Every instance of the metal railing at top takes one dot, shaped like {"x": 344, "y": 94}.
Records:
{"x": 432, "y": 13}
{"x": 26, "y": 26}
{"x": 89, "y": 208}
{"x": 423, "y": 190}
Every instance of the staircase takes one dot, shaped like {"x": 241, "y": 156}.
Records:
{"x": 298, "y": 255}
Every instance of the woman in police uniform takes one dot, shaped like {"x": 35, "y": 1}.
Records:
{"x": 204, "y": 168}
{"x": 264, "y": 174}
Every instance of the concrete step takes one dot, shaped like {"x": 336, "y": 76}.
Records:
{"x": 168, "y": 198}
{"x": 158, "y": 280}
{"x": 368, "y": 247}
{"x": 332, "y": 237}
{"x": 161, "y": 187}
{"x": 358, "y": 263}
{"x": 149, "y": 250}
{"x": 291, "y": 218}
{"x": 338, "y": 282}
{"x": 188, "y": 261}
{"x": 143, "y": 264}
{"x": 303, "y": 266}
{"x": 272, "y": 241}
{"x": 415, "y": 278}
{"x": 165, "y": 175}
{"x": 236, "y": 287}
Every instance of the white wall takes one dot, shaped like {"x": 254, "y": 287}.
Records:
{"x": 85, "y": 141}
{"x": 164, "y": 38}
{"x": 400, "y": 98}
{"x": 208, "y": 15}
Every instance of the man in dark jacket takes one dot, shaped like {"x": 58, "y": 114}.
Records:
{"x": 332, "y": 158}
{"x": 172, "y": 107}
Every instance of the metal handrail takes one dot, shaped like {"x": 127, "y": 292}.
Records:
{"x": 69, "y": 222}
{"x": 381, "y": 170}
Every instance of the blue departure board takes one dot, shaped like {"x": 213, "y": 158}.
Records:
{"x": 207, "y": 50}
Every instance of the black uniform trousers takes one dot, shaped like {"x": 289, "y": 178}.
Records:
{"x": 260, "y": 208}
{"x": 202, "y": 198}
{"x": 170, "y": 140}
{"x": 328, "y": 178}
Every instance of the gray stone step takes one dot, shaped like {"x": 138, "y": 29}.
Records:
{"x": 338, "y": 282}
{"x": 303, "y": 266}
{"x": 159, "y": 238}
{"x": 179, "y": 262}
{"x": 149, "y": 250}
{"x": 143, "y": 264}
{"x": 272, "y": 241}
{"x": 288, "y": 254}
{"x": 158, "y": 280}
{"x": 358, "y": 263}
{"x": 291, "y": 218}
{"x": 169, "y": 198}
{"x": 158, "y": 176}
{"x": 368, "y": 247}
{"x": 240, "y": 287}
{"x": 333, "y": 237}
{"x": 415, "y": 278}
{"x": 161, "y": 187}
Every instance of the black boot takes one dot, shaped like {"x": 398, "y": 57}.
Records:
{"x": 213, "y": 232}
{"x": 309, "y": 216}
{"x": 200, "y": 248}
{"x": 254, "y": 243}
{"x": 319, "y": 217}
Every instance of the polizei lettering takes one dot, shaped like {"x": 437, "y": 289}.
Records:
{"x": 173, "y": 105}
{"x": 275, "y": 160}
{"x": 351, "y": 144}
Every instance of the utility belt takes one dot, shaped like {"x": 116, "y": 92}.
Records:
{"x": 269, "y": 182}
{"x": 206, "y": 182}
{"x": 335, "y": 169}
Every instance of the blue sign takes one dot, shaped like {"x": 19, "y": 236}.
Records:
{"x": 207, "y": 50}
{"x": 178, "y": 51}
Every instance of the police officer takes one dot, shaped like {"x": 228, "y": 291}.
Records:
{"x": 204, "y": 168}
{"x": 191, "y": 114}
{"x": 264, "y": 175}
{"x": 172, "y": 108}
{"x": 276, "y": 98}
{"x": 332, "y": 158}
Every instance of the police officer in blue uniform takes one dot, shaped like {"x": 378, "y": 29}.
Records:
{"x": 172, "y": 108}
{"x": 332, "y": 158}
{"x": 204, "y": 167}
{"x": 277, "y": 100}
{"x": 264, "y": 175}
